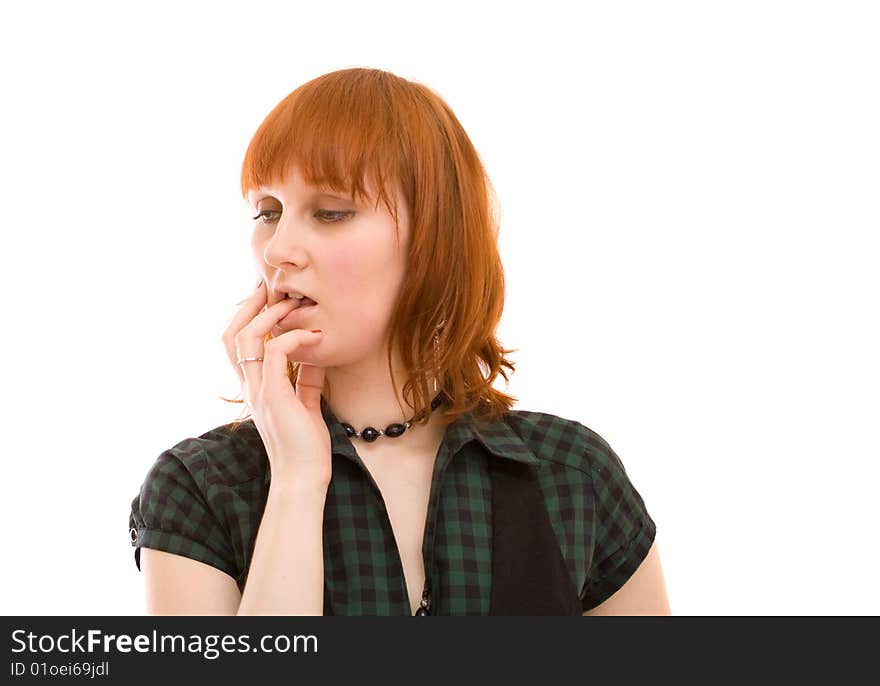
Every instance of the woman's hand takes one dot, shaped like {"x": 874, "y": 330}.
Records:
{"x": 291, "y": 424}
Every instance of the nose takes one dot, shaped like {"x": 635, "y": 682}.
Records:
{"x": 287, "y": 244}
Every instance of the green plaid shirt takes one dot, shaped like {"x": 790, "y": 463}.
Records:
{"x": 204, "y": 499}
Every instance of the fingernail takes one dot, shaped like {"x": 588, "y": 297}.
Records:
{"x": 317, "y": 331}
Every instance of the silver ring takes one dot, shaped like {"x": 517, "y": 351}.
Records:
{"x": 241, "y": 360}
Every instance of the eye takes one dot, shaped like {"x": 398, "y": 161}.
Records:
{"x": 339, "y": 216}
{"x": 264, "y": 216}
{"x": 264, "y": 213}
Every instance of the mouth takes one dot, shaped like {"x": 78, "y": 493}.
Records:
{"x": 295, "y": 317}
{"x": 305, "y": 301}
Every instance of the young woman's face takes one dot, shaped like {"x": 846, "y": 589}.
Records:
{"x": 342, "y": 255}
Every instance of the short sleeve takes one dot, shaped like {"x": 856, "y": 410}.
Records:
{"x": 172, "y": 513}
{"x": 623, "y": 531}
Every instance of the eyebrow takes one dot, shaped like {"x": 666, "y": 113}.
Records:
{"x": 258, "y": 197}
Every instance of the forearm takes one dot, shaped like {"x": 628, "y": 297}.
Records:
{"x": 286, "y": 575}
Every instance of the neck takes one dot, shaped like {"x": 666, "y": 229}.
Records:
{"x": 362, "y": 395}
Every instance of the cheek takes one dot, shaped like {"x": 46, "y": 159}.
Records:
{"x": 359, "y": 277}
{"x": 344, "y": 262}
{"x": 348, "y": 290}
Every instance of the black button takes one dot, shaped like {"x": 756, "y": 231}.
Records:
{"x": 134, "y": 534}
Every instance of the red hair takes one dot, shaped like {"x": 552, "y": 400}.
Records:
{"x": 355, "y": 125}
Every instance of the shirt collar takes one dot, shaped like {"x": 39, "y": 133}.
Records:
{"x": 496, "y": 436}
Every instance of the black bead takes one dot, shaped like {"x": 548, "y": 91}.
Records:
{"x": 421, "y": 612}
{"x": 394, "y": 430}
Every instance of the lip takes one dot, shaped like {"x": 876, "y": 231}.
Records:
{"x": 281, "y": 292}
{"x": 291, "y": 319}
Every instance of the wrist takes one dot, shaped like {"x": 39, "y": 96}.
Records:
{"x": 300, "y": 482}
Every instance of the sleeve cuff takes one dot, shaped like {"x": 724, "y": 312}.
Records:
{"x": 598, "y": 591}
{"x": 172, "y": 542}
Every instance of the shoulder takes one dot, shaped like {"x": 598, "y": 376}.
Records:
{"x": 602, "y": 524}
{"x": 233, "y": 454}
{"x": 222, "y": 456}
{"x": 182, "y": 508}
{"x": 562, "y": 441}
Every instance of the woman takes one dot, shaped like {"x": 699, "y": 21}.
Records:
{"x": 346, "y": 492}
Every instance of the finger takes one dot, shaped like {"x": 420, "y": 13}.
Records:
{"x": 250, "y": 307}
{"x": 253, "y": 304}
{"x": 309, "y": 385}
{"x": 276, "y": 382}
{"x": 249, "y": 342}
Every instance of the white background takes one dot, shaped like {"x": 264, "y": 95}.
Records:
{"x": 690, "y": 215}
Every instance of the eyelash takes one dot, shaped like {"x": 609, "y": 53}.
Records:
{"x": 265, "y": 213}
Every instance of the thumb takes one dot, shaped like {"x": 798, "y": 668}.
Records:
{"x": 309, "y": 384}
